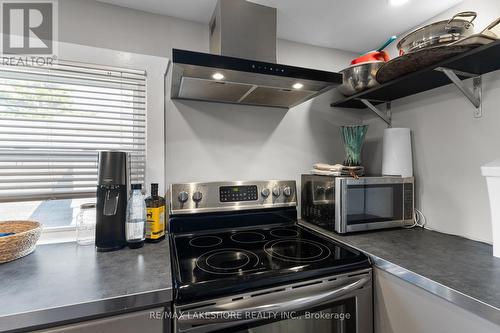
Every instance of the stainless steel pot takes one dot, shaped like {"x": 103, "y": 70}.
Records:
{"x": 359, "y": 77}
{"x": 438, "y": 33}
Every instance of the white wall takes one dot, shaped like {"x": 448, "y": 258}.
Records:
{"x": 449, "y": 146}
{"x": 92, "y": 23}
{"x": 212, "y": 141}
{"x": 403, "y": 307}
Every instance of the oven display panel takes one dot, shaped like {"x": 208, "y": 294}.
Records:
{"x": 238, "y": 193}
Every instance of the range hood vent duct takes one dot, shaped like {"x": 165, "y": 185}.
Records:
{"x": 241, "y": 68}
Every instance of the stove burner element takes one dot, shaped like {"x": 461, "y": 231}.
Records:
{"x": 297, "y": 250}
{"x": 248, "y": 237}
{"x": 227, "y": 261}
{"x": 205, "y": 241}
{"x": 283, "y": 232}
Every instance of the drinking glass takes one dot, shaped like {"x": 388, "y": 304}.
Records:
{"x": 85, "y": 224}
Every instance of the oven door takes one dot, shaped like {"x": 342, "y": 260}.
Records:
{"x": 339, "y": 304}
{"x": 373, "y": 203}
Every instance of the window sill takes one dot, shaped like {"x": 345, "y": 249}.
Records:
{"x": 57, "y": 235}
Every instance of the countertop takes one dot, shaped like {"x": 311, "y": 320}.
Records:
{"x": 457, "y": 269}
{"x": 60, "y": 283}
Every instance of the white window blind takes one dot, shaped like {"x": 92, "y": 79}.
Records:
{"x": 54, "y": 120}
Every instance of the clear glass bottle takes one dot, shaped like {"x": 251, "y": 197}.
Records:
{"x": 85, "y": 224}
{"x": 136, "y": 218}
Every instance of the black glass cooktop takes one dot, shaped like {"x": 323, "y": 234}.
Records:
{"x": 223, "y": 263}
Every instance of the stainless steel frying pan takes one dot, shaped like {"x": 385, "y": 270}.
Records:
{"x": 438, "y": 33}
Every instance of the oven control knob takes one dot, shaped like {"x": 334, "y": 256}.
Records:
{"x": 183, "y": 196}
{"x": 265, "y": 192}
{"x": 197, "y": 196}
{"x": 287, "y": 191}
{"x": 276, "y": 191}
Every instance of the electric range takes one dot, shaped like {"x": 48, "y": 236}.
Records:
{"x": 237, "y": 248}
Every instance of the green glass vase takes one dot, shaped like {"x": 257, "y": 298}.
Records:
{"x": 353, "y": 137}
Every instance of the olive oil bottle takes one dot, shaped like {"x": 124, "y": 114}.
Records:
{"x": 155, "y": 220}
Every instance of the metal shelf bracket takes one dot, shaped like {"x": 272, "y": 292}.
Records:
{"x": 474, "y": 95}
{"x": 384, "y": 115}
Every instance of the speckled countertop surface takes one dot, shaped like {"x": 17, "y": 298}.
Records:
{"x": 457, "y": 269}
{"x": 65, "y": 282}
{"x": 61, "y": 283}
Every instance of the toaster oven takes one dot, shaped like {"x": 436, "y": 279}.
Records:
{"x": 346, "y": 204}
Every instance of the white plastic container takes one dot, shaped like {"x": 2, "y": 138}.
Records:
{"x": 492, "y": 173}
{"x": 396, "y": 153}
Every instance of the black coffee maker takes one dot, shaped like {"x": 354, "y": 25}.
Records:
{"x": 112, "y": 196}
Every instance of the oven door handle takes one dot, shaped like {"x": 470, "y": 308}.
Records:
{"x": 297, "y": 304}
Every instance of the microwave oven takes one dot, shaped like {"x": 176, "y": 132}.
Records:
{"x": 346, "y": 204}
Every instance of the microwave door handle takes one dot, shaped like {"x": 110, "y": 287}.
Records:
{"x": 297, "y": 304}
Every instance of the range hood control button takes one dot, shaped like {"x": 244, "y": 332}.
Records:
{"x": 183, "y": 196}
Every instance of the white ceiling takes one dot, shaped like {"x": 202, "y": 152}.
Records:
{"x": 352, "y": 25}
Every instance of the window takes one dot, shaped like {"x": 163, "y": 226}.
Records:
{"x": 53, "y": 121}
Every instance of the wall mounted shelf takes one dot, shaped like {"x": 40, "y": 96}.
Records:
{"x": 471, "y": 64}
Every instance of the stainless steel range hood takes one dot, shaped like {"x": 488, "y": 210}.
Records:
{"x": 242, "y": 68}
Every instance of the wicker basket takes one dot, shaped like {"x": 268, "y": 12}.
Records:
{"x": 22, "y": 243}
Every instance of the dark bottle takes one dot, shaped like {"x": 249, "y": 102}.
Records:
{"x": 155, "y": 220}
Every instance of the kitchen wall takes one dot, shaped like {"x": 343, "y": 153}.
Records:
{"x": 449, "y": 145}
{"x": 92, "y": 23}
{"x": 212, "y": 141}
{"x": 224, "y": 141}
